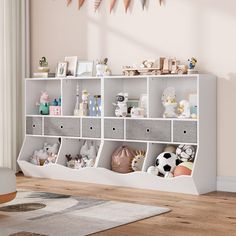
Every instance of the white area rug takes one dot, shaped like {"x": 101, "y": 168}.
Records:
{"x": 59, "y": 215}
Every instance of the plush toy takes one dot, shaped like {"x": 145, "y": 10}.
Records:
{"x": 185, "y": 152}
{"x": 88, "y": 154}
{"x": 184, "y": 109}
{"x": 166, "y": 162}
{"x": 137, "y": 162}
{"x": 121, "y": 159}
{"x": 169, "y": 102}
{"x": 153, "y": 170}
{"x": 121, "y": 109}
{"x": 44, "y": 104}
{"x": 184, "y": 168}
{"x": 46, "y": 155}
{"x": 76, "y": 162}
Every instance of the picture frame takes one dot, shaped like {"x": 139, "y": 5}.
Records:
{"x": 62, "y": 69}
{"x": 72, "y": 65}
{"x": 130, "y": 104}
{"x": 85, "y": 68}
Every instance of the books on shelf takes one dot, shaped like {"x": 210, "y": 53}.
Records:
{"x": 43, "y": 75}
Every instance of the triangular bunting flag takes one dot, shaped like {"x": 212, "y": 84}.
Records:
{"x": 97, "y": 4}
{"x": 80, "y": 3}
{"x": 126, "y": 3}
{"x": 68, "y": 2}
{"x": 112, "y": 4}
{"x": 143, "y": 2}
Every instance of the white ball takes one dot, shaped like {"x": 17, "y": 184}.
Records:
{"x": 153, "y": 170}
{"x": 166, "y": 162}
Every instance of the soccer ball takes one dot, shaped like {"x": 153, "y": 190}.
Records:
{"x": 166, "y": 162}
{"x": 185, "y": 152}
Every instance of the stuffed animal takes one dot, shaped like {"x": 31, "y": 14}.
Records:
{"x": 44, "y": 104}
{"x": 121, "y": 109}
{"x": 166, "y": 162}
{"x": 137, "y": 162}
{"x": 76, "y": 162}
{"x": 88, "y": 154}
{"x": 185, "y": 152}
{"x": 46, "y": 155}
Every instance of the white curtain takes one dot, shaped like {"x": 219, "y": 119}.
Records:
{"x": 12, "y": 71}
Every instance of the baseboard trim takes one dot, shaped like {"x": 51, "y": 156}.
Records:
{"x": 226, "y": 184}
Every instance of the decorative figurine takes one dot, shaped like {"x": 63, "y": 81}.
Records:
{"x": 191, "y": 66}
{"x": 44, "y": 104}
{"x": 83, "y": 107}
{"x": 169, "y": 102}
{"x": 184, "y": 109}
{"x": 76, "y": 110}
{"x": 121, "y": 109}
{"x": 43, "y": 65}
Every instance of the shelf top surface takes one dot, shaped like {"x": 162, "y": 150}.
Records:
{"x": 119, "y": 77}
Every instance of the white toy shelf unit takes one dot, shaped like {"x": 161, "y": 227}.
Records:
{"x": 151, "y": 133}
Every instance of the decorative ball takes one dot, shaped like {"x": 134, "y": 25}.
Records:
{"x": 153, "y": 170}
{"x": 166, "y": 162}
{"x": 185, "y": 152}
{"x": 184, "y": 168}
{"x": 170, "y": 148}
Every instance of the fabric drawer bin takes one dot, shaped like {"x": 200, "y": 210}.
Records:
{"x": 91, "y": 127}
{"x": 114, "y": 128}
{"x": 150, "y": 130}
{"x": 62, "y": 126}
{"x": 185, "y": 131}
{"x": 34, "y": 125}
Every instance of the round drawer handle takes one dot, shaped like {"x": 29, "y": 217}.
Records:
{"x": 62, "y": 127}
{"x": 185, "y": 131}
{"x": 33, "y": 126}
{"x": 148, "y": 130}
{"x": 113, "y": 128}
{"x": 91, "y": 127}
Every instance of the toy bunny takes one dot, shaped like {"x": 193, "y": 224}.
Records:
{"x": 44, "y": 104}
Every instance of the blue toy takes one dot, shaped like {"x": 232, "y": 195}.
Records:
{"x": 192, "y": 63}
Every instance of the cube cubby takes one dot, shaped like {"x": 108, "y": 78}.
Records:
{"x": 33, "y": 90}
{"x": 69, "y": 87}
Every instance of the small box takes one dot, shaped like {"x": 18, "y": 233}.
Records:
{"x": 55, "y": 110}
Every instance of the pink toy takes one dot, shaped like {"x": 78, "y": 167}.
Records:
{"x": 44, "y": 97}
{"x": 55, "y": 110}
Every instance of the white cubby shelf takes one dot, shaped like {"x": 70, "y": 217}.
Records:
{"x": 108, "y": 132}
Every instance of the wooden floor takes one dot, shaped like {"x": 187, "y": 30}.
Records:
{"x": 212, "y": 214}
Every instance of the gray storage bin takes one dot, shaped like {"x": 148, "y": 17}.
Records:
{"x": 149, "y": 130}
{"x": 114, "y": 128}
{"x": 91, "y": 127}
{"x": 34, "y": 125}
{"x": 185, "y": 131}
{"x": 56, "y": 126}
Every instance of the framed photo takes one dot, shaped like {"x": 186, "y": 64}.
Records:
{"x": 130, "y": 104}
{"x": 72, "y": 64}
{"x": 84, "y": 68}
{"x": 62, "y": 69}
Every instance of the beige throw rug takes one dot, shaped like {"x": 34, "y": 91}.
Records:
{"x": 48, "y": 214}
